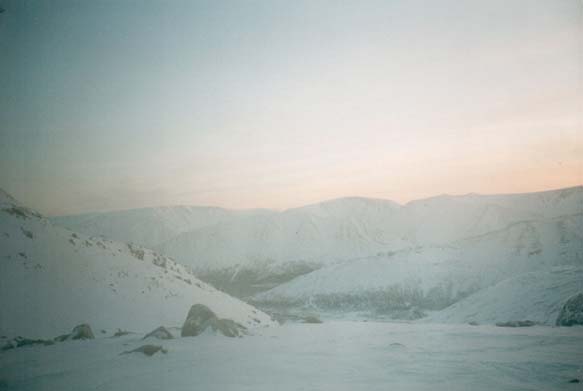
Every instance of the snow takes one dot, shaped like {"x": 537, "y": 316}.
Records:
{"x": 52, "y": 279}
{"x": 150, "y": 226}
{"x": 537, "y": 296}
{"x": 461, "y": 268}
{"x": 492, "y": 258}
{"x": 442, "y": 249}
{"x": 330, "y": 356}
{"x": 327, "y": 232}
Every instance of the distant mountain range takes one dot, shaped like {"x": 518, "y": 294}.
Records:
{"x": 249, "y": 252}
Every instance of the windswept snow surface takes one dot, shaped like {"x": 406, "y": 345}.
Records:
{"x": 331, "y": 356}
{"x": 52, "y": 279}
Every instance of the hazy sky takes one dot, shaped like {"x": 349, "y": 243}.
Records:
{"x": 121, "y": 104}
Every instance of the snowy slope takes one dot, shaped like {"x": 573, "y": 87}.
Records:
{"x": 150, "y": 226}
{"x": 352, "y": 228}
{"x": 436, "y": 276}
{"x": 253, "y": 252}
{"x": 52, "y": 279}
{"x": 536, "y": 296}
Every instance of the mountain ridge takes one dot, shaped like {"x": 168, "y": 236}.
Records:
{"x": 52, "y": 279}
{"x": 238, "y": 250}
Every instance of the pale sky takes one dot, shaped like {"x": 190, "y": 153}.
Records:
{"x": 110, "y": 105}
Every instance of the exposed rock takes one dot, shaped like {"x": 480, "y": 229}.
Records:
{"x": 517, "y": 323}
{"x": 17, "y": 211}
{"x": 574, "y": 381}
{"x": 148, "y": 350}
{"x": 200, "y": 318}
{"x": 120, "y": 333}
{"x": 136, "y": 252}
{"x": 227, "y": 327}
{"x": 26, "y": 233}
{"x": 20, "y": 342}
{"x": 572, "y": 312}
{"x": 413, "y": 313}
{"x": 312, "y": 319}
{"x": 160, "y": 333}
{"x": 197, "y": 320}
{"x": 82, "y": 331}
{"x": 473, "y": 323}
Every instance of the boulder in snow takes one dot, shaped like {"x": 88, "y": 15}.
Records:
{"x": 572, "y": 312}
{"x": 517, "y": 323}
{"x": 312, "y": 319}
{"x": 197, "y": 320}
{"x": 227, "y": 327}
{"x": 160, "y": 333}
{"x": 121, "y": 333}
{"x": 200, "y": 318}
{"x": 82, "y": 331}
{"x": 20, "y": 342}
{"x": 148, "y": 350}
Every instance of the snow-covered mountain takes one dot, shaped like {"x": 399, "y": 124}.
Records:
{"x": 349, "y": 229}
{"x": 434, "y": 277}
{"x": 536, "y": 296}
{"x": 255, "y": 252}
{"x": 52, "y": 279}
{"x": 355, "y": 227}
{"x": 151, "y": 226}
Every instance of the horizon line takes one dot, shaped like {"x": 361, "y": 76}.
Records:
{"x": 323, "y": 201}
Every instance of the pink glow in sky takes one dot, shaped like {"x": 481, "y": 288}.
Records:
{"x": 114, "y": 105}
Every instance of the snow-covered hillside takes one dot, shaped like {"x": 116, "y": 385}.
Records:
{"x": 536, "y": 296}
{"x": 52, "y": 279}
{"x": 150, "y": 226}
{"x": 358, "y": 227}
{"x": 433, "y": 277}
{"x": 258, "y": 251}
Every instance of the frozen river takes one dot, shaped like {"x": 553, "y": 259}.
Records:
{"x": 330, "y": 356}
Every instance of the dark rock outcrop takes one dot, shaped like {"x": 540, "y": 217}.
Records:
{"x": 148, "y": 350}
{"x": 227, "y": 327}
{"x": 197, "y": 320}
{"x": 312, "y": 319}
{"x": 82, "y": 331}
{"x": 200, "y": 318}
{"x": 19, "y": 342}
{"x": 160, "y": 333}
{"x": 517, "y": 323}
{"x": 572, "y": 312}
{"x": 121, "y": 333}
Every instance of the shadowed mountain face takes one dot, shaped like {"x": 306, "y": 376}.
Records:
{"x": 247, "y": 252}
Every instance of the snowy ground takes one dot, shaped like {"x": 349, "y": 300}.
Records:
{"x": 330, "y": 356}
